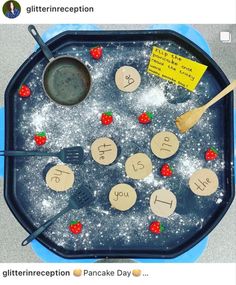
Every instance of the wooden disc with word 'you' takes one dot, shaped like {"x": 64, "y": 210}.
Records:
{"x": 122, "y": 197}
{"x": 163, "y": 203}
{"x": 60, "y": 177}
{"x": 164, "y": 144}
{"x": 204, "y": 182}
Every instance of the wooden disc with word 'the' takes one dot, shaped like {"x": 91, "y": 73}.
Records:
{"x": 127, "y": 78}
{"x": 60, "y": 177}
{"x": 122, "y": 197}
{"x": 138, "y": 166}
{"x": 164, "y": 144}
{"x": 163, "y": 203}
{"x": 104, "y": 151}
{"x": 203, "y": 182}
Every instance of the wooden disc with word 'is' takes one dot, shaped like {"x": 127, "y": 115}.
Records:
{"x": 204, "y": 182}
{"x": 104, "y": 151}
{"x": 60, "y": 178}
{"x": 122, "y": 197}
{"x": 164, "y": 144}
{"x": 163, "y": 203}
{"x": 138, "y": 166}
{"x": 127, "y": 78}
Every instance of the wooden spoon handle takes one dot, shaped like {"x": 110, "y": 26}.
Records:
{"x": 223, "y": 93}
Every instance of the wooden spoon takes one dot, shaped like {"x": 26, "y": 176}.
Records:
{"x": 187, "y": 120}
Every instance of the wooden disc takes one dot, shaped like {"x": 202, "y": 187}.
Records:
{"x": 164, "y": 144}
{"x": 163, "y": 203}
{"x": 203, "y": 182}
{"x": 104, "y": 151}
{"x": 127, "y": 78}
{"x": 60, "y": 178}
{"x": 138, "y": 166}
{"x": 122, "y": 197}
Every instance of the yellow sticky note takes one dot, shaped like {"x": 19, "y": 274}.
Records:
{"x": 175, "y": 68}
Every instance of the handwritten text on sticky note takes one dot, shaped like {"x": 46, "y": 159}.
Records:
{"x": 175, "y": 68}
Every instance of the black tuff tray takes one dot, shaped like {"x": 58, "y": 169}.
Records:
{"x": 107, "y": 232}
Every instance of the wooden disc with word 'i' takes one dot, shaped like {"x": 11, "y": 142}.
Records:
{"x": 122, "y": 197}
{"x": 127, "y": 78}
{"x": 203, "y": 182}
{"x": 164, "y": 144}
{"x": 163, "y": 203}
{"x": 138, "y": 166}
{"x": 60, "y": 178}
{"x": 104, "y": 151}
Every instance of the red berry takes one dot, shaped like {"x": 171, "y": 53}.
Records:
{"x": 96, "y": 52}
{"x": 156, "y": 227}
{"x": 40, "y": 138}
{"x": 75, "y": 227}
{"x": 145, "y": 118}
{"x": 24, "y": 91}
{"x": 107, "y": 118}
{"x": 166, "y": 170}
{"x": 211, "y": 154}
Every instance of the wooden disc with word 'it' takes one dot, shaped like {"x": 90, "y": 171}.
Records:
{"x": 104, "y": 151}
{"x": 164, "y": 144}
{"x": 138, "y": 166}
{"x": 204, "y": 182}
{"x": 163, "y": 203}
{"x": 127, "y": 78}
{"x": 60, "y": 177}
{"x": 122, "y": 197}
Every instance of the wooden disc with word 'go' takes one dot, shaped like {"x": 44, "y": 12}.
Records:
{"x": 104, "y": 151}
{"x": 163, "y": 203}
{"x": 203, "y": 182}
{"x": 164, "y": 144}
{"x": 122, "y": 197}
{"x": 127, "y": 78}
{"x": 138, "y": 166}
{"x": 60, "y": 177}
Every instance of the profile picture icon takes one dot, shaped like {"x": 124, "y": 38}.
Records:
{"x": 11, "y": 9}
